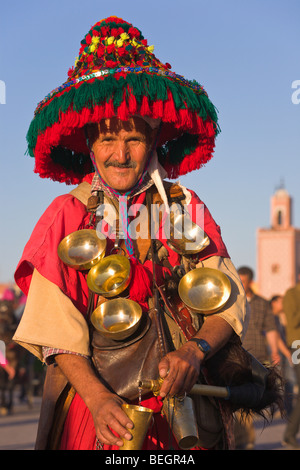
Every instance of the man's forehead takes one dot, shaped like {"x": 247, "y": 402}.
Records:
{"x": 115, "y": 125}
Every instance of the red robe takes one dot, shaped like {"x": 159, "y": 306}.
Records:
{"x": 67, "y": 214}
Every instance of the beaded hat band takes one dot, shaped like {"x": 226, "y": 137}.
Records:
{"x": 117, "y": 74}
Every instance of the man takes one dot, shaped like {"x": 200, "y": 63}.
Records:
{"x": 286, "y": 364}
{"x": 291, "y": 307}
{"x": 261, "y": 331}
{"x": 260, "y": 335}
{"x": 120, "y": 124}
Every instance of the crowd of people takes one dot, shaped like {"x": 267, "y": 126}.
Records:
{"x": 21, "y": 374}
{"x": 272, "y": 329}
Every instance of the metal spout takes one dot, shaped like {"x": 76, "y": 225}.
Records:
{"x": 197, "y": 389}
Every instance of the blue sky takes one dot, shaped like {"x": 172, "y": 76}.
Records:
{"x": 244, "y": 53}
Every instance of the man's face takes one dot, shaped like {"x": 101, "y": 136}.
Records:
{"x": 121, "y": 149}
{"x": 246, "y": 281}
{"x": 277, "y": 305}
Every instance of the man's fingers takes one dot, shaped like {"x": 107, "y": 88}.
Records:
{"x": 163, "y": 367}
{"x": 179, "y": 374}
{"x": 112, "y": 433}
{"x": 166, "y": 374}
{"x": 113, "y": 424}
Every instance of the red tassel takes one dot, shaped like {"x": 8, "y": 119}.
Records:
{"x": 145, "y": 107}
{"x": 132, "y": 104}
{"x": 140, "y": 284}
{"x": 122, "y": 111}
{"x": 170, "y": 113}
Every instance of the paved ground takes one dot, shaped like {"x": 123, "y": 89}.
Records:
{"x": 18, "y": 430}
{"x": 269, "y": 437}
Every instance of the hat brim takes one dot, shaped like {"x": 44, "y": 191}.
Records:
{"x": 56, "y": 135}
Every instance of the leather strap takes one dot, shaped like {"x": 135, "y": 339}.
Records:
{"x": 158, "y": 317}
{"x": 179, "y": 312}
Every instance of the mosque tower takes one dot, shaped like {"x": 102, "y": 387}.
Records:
{"x": 278, "y": 248}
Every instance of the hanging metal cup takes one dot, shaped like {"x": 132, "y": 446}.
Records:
{"x": 204, "y": 290}
{"x": 186, "y": 237}
{"x": 180, "y": 415}
{"x": 110, "y": 276}
{"x": 82, "y": 249}
{"x": 117, "y": 318}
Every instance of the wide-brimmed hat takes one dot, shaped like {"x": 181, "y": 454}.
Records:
{"x": 117, "y": 74}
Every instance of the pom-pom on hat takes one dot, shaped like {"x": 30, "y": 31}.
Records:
{"x": 117, "y": 74}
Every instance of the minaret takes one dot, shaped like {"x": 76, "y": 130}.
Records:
{"x": 281, "y": 210}
{"x": 278, "y": 248}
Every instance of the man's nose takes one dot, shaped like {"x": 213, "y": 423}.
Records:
{"x": 121, "y": 152}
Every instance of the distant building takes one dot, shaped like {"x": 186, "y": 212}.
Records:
{"x": 278, "y": 248}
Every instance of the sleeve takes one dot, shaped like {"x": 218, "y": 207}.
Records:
{"x": 65, "y": 215}
{"x": 269, "y": 319}
{"x": 236, "y": 311}
{"x": 50, "y": 353}
{"x": 50, "y": 319}
{"x": 290, "y": 309}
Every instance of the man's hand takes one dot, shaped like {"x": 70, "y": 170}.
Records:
{"x": 105, "y": 407}
{"x": 108, "y": 416}
{"x": 180, "y": 370}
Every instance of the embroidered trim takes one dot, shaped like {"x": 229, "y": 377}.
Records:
{"x": 100, "y": 73}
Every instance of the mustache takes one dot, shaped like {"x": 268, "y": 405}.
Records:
{"x": 115, "y": 164}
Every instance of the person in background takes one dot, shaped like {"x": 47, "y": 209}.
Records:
{"x": 261, "y": 340}
{"x": 291, "y": 308}
{"x": 261, "y": 336}
{"x": 286, "y": 363}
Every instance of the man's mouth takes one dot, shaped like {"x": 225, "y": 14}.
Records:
{"x": 121, "y": 166}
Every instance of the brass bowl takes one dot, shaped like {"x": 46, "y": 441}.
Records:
{"x": 82, "y": 249}
{"x": 204, "y": 290}
{"x": 117, "y": 318}
{"x": 110, "y": 276}
{"x": 186, "y": 237}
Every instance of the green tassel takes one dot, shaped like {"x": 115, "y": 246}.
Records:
{"x": 99, "y": 91}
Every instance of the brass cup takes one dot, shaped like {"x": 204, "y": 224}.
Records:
{"x": 180, "y": 415}
{"x": 204, "y": 290}
{"x": 141, "y": 418}
{"x": 117, "y": 318}
{"x": 110, "y": 276}
{"x": 82, "y": 249}
{"x": 186, "y": 237}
